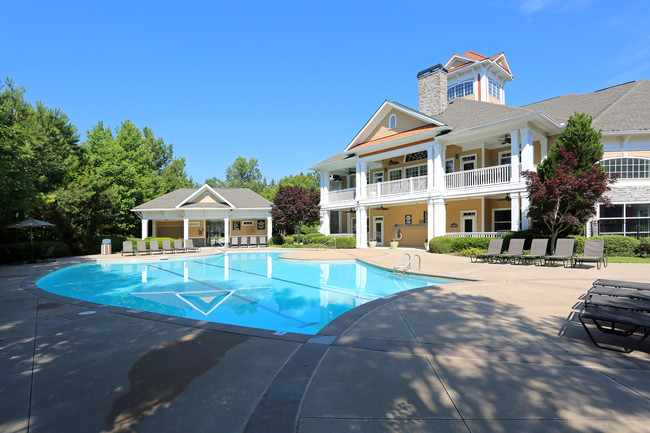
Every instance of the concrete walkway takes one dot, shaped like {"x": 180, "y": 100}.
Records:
{"x": 504, "y": 353}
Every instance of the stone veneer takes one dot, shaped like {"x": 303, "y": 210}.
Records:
{"x": 432, "y": 91}
{"x": 626, "y": 194}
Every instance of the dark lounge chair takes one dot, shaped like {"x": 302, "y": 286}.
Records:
{"x": 563, "y": 251}
{"x": 515, "y": 249}
{"x": 537, "y": 251}
{"x": 494, "y": 249}
{"x": 141, "y": 247}
{"x": 261, "y": 241}
{"x": 594, "y": 252}
{"x": 619, "y": 308}
{"x": 49, "y": 254}
{"x": 154, "y": 248}
{"x": 167, "y": 246}
{"x": 178, "y": 246}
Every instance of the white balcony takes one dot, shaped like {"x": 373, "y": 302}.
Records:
{"x": 480, "y": 177}
{"x": 397, "y": 187}
{"x": 342, "y": 195}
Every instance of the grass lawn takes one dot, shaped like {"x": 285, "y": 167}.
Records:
{"x": 628, "y": 260}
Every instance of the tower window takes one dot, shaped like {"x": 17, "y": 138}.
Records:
{"x": 494, "y": 89}
{"x": 460, "y": 90}
{"x": 392, "y": 121}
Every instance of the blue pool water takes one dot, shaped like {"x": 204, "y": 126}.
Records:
{"x": 257, "y": 290}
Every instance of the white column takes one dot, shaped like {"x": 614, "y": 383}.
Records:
{"x": 514, "y": 212}
{"x": 525, "y": 204}
{"x": 527, "y": 149}
{"x": 440, "y": 217}
{"x": 438, "y": 167}
{"x": 362, "y": 227}
{"x": 269, "y": 228}
{"x": 324, "y": 222}
{"x": 543, "y": 147}
{"x": 324, "y": 182}
{"x": 430, "y": 220}
{"x": 362, "y": 180}
{"x": 514, "y": 156}
{"x": 145, "y": 228}
{"x": 186, "y": 229}
{"x": 483, "y": 214}
{"x": 226, "y": 231}
{"x": 430, "y": 166}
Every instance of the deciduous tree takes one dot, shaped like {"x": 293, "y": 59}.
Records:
{"x": 295, "y": 206}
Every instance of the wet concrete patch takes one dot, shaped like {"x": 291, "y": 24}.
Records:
{"x": 49, "y": 305}
{"x": 156, "y": 378}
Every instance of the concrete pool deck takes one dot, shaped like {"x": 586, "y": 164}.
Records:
{"x": 503, "y": 353}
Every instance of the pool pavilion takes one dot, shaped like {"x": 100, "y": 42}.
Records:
{"x": 206, "y": 215}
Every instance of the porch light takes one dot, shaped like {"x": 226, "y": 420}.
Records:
{"x": 507, "y": 198}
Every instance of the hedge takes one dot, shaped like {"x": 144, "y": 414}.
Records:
{"x": 23, "y": 250}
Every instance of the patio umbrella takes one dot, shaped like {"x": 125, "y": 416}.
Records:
{"x": 30, "y": 223}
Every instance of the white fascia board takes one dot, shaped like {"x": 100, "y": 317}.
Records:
{"x": 380, "y": 114}
{"x": 398, "y": 142}
{"x": 633, "y": 132}
{"x": 201, "y": 190}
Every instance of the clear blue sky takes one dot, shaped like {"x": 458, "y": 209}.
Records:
{"x": 291, "y": 83}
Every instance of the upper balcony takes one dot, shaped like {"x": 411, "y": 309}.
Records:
{"x": 397, "y": 187}
{"x": 479, "y": 177}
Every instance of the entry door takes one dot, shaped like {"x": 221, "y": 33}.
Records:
{"x": 468, "y": 222}
{"x": 378, "y": 223}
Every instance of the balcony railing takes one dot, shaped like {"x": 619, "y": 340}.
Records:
{"x": 479, "y": 177}
{"x": 342, "y": 195}
{"x": 397, "y": 187}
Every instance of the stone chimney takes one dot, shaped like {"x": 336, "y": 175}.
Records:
{"x": 432, "y": 90}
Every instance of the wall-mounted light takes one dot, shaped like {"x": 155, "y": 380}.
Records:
{"x": 456, "y": 156}
{"x": 507, "y": 198}
{"x": 391, "y": 162}
{"x": 453, "y": 225}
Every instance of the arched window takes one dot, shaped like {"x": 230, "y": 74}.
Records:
{"x": 627, "y": 168}
{"x": 460, "y": 90}
{"x": 392, "y": 121}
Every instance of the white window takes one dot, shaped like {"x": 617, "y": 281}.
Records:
{"x": 494, "y": 89}
{"x": 468, "y": 162}
{"x": 378, "y": 176}
{"x": 247, "y": 223}
{"x": 416, "y": 156}
{"x": 449, "y": 165}
{"x": 627, "y": 168}
{"x": 501, "y": 220}
{"x": 627, "y": 219}
{"x": 460, "y": 90}
{"x": 395, "y": 174}
{"x": 504, "y": 158}
{"x": 415, "y": 171}
{"x": 392, "y": 121}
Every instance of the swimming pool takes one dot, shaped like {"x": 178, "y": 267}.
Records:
{"x": 257, "y": 290}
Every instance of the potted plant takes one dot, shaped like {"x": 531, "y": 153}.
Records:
{"x": 372, "y": 243}
{"x": 393, "y": 243}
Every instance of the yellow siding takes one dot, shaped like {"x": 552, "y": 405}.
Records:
{"x": 452, "y": 150}
{"x": 208, "y": 199}
{"x": 413, "y": 235}
{"x": 404, "y": 123}
{"x": 490, "y": 205}
{"x": 174, "y": 229}
{"x": 454, "y": 209}
{"x": 247, "y": 230}
{"x": 537, "y": 152}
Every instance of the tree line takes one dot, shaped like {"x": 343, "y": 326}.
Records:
{"x": 87, "y": 189}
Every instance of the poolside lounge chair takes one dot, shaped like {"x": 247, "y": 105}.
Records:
{"x": 261, "y": 241}
{"x": 235, "y": 241}
{"x": 167, "y": 246}
{"x": 252, "y": 241}
{"x": 618, "y": 308}
{"x": 178, "y": 246}
{"x": 494, "y": 249}
{"x": 563, "y": 251}
{"x": 154, "y": 248}
{"x": 127, "y": 247}
{"x": 142, "y": 247}
{"x": 515, "y": 249}
{"x": 537, "y": 251}
{"x": 189, "y": 246}
{"x": 594, "y": 252}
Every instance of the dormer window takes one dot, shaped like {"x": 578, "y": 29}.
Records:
{"x": 392, "y": 121}
{"x": 460, "y": 90}
{"x": 494, "y": 89}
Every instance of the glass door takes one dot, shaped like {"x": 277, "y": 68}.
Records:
{"x": 378, "y": 224}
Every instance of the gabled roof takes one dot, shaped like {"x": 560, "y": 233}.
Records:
{"x": 458, "y": 61}
{"x": 380, "y": 114}
{"x": 234, "y": 198}
{"x": 617, "y": 108}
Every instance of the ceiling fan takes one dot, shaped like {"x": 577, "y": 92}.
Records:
{"x": 505, "y": 139}
{"x": 381, "y": 207}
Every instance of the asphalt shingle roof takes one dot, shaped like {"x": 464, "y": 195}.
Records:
{"x": 241, "y": 198}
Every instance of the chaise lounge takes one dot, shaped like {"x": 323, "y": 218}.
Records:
{"x": 537, "y": 251}
{"x": 515, "y": 249}
{"x": 127, "y": 247}
{"x": 594, "y": 252}
{"x": 494, "y": 249}
{"x": 563, "y": 251}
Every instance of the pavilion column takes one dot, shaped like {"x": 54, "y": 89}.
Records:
{"x": 514, "y": 212}
{"x": 440, "y": 217}
{"x": 269, "y": 228}
{"x": 226, "y": 231}
{"x": 186, "y": 229}
{"x": 514, "y": 156}
{"x": 145, "y": 228}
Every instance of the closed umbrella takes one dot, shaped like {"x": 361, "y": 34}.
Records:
{"x": 30, "y": 223}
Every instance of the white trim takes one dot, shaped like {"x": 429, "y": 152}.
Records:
{"x": 500, "y": 156}
{"x": 375, "y": 220}
{"x": 509, "y": 218}
{"x": 199, "y": 191}
{"x": 473, "y": 218}
{"x": 461, "y": 157}
{"x": 392, "y": 120}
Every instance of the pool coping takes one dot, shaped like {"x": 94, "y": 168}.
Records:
{"x": 279, "y": 407}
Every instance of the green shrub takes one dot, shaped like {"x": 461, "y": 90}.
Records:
{"x": 643, "y": 249}
{"x": 528, "y": 235}
{"x": 346, "y": 242}
{"x": 24, "y": 249}
{"x": 460, "y": 244}
{"x": 308, "y": 238}
{"x": 277, "y": 239}
{"x": 441, "y": 245}
{"x": 149, "y": 240}
{"x": 579, "y": 246}
{"x": 617, "y": 245}
{"x": 289, "y": 240}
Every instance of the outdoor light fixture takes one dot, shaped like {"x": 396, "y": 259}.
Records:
{"x": 391, "y": 162}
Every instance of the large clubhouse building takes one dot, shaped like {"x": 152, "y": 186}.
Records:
{"x": 453, "y": 166}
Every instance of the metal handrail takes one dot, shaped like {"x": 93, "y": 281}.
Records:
{"x": 327, "y": 242}
{"x": 407, "y": 267}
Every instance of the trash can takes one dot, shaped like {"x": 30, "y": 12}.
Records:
{"x": 106, "y": 247}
